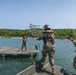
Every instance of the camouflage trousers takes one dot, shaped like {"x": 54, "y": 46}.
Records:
{"x": 23, "y": 45}
{"x": 50, "y": 52}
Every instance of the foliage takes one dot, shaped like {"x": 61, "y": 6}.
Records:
{"x": 19, "y": 33}
{"x": 65, "y": 33}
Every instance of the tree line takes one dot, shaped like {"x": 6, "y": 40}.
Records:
{"x": 59, "y": 33}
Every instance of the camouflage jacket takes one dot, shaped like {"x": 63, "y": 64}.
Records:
{"x": 48, "y": 39}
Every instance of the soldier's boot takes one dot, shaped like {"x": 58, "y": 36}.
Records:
{"x": 25, "y": 49}
{"x": 41, "y": 68}
{"x": 53, "y": 71}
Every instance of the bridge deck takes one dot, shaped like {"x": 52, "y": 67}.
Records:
{"x": 16, "y": 51}
{"x": 33, "y": 70}
{"x": 47, "y": 71}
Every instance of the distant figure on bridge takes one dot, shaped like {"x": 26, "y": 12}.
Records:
{"x": 48, "y": 47}
{"x": 24, "y": 42}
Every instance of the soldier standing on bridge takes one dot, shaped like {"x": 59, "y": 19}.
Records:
{"x": 48, "y": 47}
{"x": 23, "y": 42}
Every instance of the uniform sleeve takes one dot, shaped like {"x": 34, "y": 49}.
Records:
{"x": 40, "y": 37}
{"x": 52, "y": 37}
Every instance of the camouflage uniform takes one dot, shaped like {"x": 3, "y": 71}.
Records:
{"x": 24, "y": 42}
{"x": 48, "y": 47}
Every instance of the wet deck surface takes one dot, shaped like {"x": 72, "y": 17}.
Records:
{"x": 11, "y": 50}
{"x": 47, "y": 71}
{"x": 5, "y": 51}
{"x": 8, "y": 50}
{"x": 34, "y": 70}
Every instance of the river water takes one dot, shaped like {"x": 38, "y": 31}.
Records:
{"x": 64, "y": 55}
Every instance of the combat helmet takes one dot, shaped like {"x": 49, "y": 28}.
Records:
{"x": 46, "y": 27}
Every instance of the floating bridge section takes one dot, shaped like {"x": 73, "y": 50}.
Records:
{"x": 9, "y": 52}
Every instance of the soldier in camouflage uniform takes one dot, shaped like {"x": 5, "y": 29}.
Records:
{"x": 48, "y": 47}
{"x": 24, "y": 42}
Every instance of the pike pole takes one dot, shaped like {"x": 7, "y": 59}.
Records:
{"x": 33, "y": 32}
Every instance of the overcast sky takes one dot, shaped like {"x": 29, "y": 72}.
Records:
{"x": 18, "y": 14}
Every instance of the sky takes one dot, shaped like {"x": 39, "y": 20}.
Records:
{"x": 18, "y": 14}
